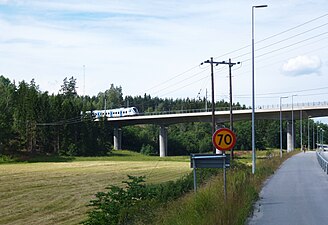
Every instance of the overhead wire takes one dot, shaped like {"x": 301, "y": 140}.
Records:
{"x": 284, "y": 59}
{"x": 258, "y": 56}
{"x": 264, "y": 47}
{"x": 178, "y": 83}
{"x": 272, "y": 36}
{"x": 79, "y": 119}
{"x": 61, "y": 122}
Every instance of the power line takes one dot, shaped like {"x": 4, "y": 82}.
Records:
{"x": 267, "y": 46}
{"x": 293, "y": 28}
{"x": 272, "y": 36}
{"x": 177, "y": 83}
{"x": 164, "y": 82}
{"x": 69, "y": 121}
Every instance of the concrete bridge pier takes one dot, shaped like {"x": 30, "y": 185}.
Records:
{"x": 117, "y": 138}
{"x": 290, "y": 138}
{"x": 162, "y": 141}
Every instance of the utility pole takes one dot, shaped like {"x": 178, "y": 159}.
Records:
{"x": 213, "y": 103}
{"x": 230, "y": 94}
{"x": 212, "y": 81}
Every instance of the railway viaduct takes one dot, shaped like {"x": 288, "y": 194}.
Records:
{"x": 297, "y": 112}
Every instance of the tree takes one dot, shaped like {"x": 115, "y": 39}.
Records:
{"x": 6, "y": 107}
{"x": 68, "y": 88}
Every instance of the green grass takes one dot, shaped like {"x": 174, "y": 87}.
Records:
{"x": 208, "y": 205}
{"x": 58, "y": 192}
{"x": 121, "y": 155}
{"x": 45, "y": 190}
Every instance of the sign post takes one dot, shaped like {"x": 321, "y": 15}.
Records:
{"x": 224, "y": 139}
{"x": 208, "y": 161}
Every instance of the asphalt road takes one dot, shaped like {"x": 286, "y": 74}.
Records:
{"x": 296, "y": 194}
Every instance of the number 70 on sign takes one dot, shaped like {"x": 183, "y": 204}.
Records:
{"x": 224, "y": 139}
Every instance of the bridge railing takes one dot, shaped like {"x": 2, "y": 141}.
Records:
{"x": 322, "y": 161}
{"x": 273, "y": 106}
{"x": 295, "y": 105}
{"x": 190, "y": 111}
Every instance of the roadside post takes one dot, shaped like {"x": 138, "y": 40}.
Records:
{"x": 208, "y": 161}
{"x": 224, "y": 139}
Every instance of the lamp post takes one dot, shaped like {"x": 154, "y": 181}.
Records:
{"x": 293, "y": 138}
{"x": 281, "y": 128}
{"x": 313, "y": 137}
{"x": 253, "y": 93}
{"x": 301, "y": 129}
{"x": 322, "y": 130}
{"x": 309, "y": 146}
{"x": 318, "y": 137}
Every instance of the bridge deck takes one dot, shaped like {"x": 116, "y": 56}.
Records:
{"x": 308, "y": 110}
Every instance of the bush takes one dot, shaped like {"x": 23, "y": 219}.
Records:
{"x": 147, "y": 150}
{"x": 136, "y": 202}
{"x": 117, "y": 206}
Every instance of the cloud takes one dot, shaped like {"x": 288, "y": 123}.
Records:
{"x": 302, "y": 65}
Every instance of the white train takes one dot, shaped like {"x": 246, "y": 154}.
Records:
{"x": 114, "y": 113}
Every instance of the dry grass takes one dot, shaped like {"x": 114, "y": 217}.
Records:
{"x": 57, "y": 193}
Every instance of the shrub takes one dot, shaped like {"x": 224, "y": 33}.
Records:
{"x": 117, "y": 206}
{"x": 136, "y": 201}
{"x": 147, "y": 149}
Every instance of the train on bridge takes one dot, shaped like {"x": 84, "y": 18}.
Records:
{"x": 113, "y": 113}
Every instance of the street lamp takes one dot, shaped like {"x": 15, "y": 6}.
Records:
{"x": 281, "y": 128}
{"x": 293, "y": 139}
{"x": 309, "y": 146}
{"x": 313, "y": 136}
{"x": 301, "y": 129}
{"x": 322, "y": 130}
{"x": 318, "y": 137}
{"x": 253, "y": 94}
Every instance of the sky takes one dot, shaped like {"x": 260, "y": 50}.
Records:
{"x": 157, "y": 47}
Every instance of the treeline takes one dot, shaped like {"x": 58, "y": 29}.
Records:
{"x": 32, "y": 121}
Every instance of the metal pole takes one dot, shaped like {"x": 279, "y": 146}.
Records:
{"x": 322, "y": 130}
{"x": 224, "y": 177}
{"x": 253, "y": 94}
{"x": 281, "y": 127}
{"x": 301, "y": 130}
{"x": 280, "y": 131}
{"x": 313, "y": 137}
{"x": 253, "y": 100}
{"x": 292, "y": 124}
{"x": 308, "y": 133}
{"x": 195, "y": 175}
{"x": 317, "y": 137}
{"x": 293, "y": 138}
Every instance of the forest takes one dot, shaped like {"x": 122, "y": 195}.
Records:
{"x": 36, "y": 122}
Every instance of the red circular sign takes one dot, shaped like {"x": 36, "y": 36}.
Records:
{"x": 224, "y": 139}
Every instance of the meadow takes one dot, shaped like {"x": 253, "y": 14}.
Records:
{"x": 38, "y": 192}
{"x": 59, "y": 192}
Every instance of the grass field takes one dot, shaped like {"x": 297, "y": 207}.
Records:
{"x": 58, "y": 192}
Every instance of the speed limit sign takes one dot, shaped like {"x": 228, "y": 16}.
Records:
{"x": 224, "y": 139}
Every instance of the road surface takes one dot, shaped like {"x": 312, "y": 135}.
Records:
{"x": 296, "y": 194}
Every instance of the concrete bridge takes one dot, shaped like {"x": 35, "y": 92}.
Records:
{"x": 272, "y": 112}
